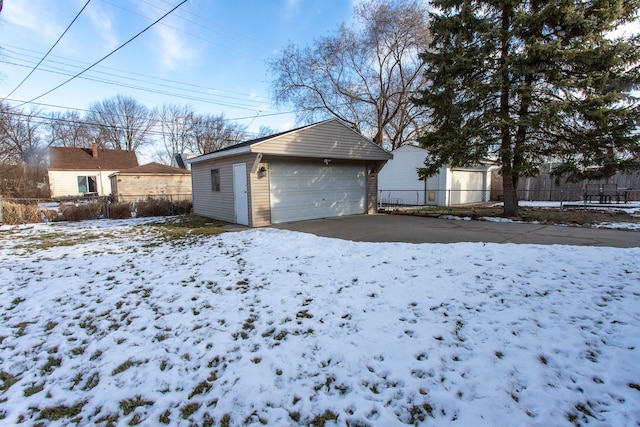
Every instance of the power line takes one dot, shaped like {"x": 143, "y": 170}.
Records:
{"x": 49, "y": 51}
{"x": 123, "y": 74}
{"x": 193, "y": 98}
{"x": 109, "y": 54}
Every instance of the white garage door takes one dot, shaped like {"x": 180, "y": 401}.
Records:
{"x": 305, "y": 191}
{"x": 467, "y": 187}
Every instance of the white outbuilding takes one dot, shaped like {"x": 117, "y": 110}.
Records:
{"x": 398, "y": 182}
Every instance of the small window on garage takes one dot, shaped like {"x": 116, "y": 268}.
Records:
{"x": 215, "y": 179}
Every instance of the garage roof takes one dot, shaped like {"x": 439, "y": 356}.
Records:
{"x": 329, "y": 139}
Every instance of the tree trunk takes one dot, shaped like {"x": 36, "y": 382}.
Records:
{"x": 510, "y": 195}
{"x": 509, "y": 180}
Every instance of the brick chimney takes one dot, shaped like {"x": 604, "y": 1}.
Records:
{"x": 94, "y": 149}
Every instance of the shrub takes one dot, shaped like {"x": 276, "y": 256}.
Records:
{"x": 83, "y": 211}
{"x": 120, "y": 211}
{"x": 16, "y": 213}
{"x": 181, "y": 207}
{"x": 152, "y": 207}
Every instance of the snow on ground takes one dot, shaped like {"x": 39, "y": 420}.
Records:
{"x": 109, "y": 323}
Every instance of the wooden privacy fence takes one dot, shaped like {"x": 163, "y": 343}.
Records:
{"x": 545, "y": 187}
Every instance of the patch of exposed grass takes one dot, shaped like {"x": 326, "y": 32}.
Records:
{"x": 52, "y": 363}
{"x": 420, "y": 412}
{"x": 165, "y": 417}
{"x": 189, "y": 409}
{"x": 569, "y": 214}
{"x": 7, "y": 380}
{"x": 202, "y": 388}
{"x": 130, "y": 405}
{"x": 30, "y": 391}
{"x": 126, "y": 365}
{"x": 59, "y": 239}
{"x": 322, "y": 419}
{"x": 188, "y": 226}
{"x": 54, "y": 413}
{"x": 92, "y": 381}
{"x": 225, "y": 421}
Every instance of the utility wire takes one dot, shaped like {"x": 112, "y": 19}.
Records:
{"x": 108, "y": 55}
{"x": 49, "y": 51}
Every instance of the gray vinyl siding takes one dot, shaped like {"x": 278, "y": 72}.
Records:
{"x": 329, "y": 139}
{"x": 213, "y": 204}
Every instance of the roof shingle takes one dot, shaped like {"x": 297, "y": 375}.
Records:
{"x": 68, "y": 158}
{"x": 154, "y": 168}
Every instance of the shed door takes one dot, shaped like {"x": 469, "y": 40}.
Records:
{"x": 241, "y": 201}
{"x": 467, "y": 187}
{"x": 302, "y": 191}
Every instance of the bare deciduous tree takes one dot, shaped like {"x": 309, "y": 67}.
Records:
{"x": 211, "y": 133}
{"x": 68, "y": 129}
{"x": 20, "y": 139}
{"x": 176, "y": 123}
{"x": 121, "y": 123}
{"x": 365, "y": 75}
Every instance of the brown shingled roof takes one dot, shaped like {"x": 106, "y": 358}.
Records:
{"x": 67, "y": 158}
{"x": 154, "y": 169}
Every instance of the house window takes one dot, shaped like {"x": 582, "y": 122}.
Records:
{"x": 87, "y": 184}
{"x": 215, "y": 179}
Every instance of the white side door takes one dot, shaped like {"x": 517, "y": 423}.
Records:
{"x": 240, "y": 193}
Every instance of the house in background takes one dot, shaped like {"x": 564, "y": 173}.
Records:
{"x": 321, "y": 170}
{"x": 180, "y": 160}
{"x": 399, "y": 183}
{"x": 77, "y": 172}
{"x": 150, "y": 180}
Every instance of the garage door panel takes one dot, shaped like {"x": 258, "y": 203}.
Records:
{"x": 303, "y": 191}
{"x": 467, "y": 187}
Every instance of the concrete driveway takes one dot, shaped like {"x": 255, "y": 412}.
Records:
{"x": 410, "y": 229}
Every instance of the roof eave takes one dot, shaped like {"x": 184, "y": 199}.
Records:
{"x": 219, "y": 154}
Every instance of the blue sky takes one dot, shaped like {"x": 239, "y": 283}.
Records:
{"x": 209, "y": 54}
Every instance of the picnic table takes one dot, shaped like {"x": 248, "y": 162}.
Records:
{"x": 606, "y": 193}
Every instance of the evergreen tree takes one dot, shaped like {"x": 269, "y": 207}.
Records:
{"x": 524, "y": 82}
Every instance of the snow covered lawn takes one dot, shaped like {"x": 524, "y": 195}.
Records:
{"x": 111, "y": 323}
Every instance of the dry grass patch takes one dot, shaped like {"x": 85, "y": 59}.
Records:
{"x": 569, "y": 214}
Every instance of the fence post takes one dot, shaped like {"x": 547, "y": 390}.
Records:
{"x": 1, "y": 198}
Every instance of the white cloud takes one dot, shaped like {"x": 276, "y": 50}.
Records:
{"x": 35, "y": 16}
{"x": 103, "y": 23}
{"x": 173, "y": 49}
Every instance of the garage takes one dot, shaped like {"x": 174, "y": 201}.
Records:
{"x": 467, "y": 186}
{"x": 400, "y": 184}
{"x": 320, "y": 170}
{"x": 300, "y": 191}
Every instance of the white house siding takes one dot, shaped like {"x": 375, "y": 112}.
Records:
{"x": 212, "y": 204}
{"x": 469, "y": 186}
{"x": 399, "y": 183}
{"x": 65, "y": 183}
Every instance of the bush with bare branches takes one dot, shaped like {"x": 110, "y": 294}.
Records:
{"x": 82, "y": 211}
{"x": 120, "y": 211}
{"x": 17, "y": 213}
